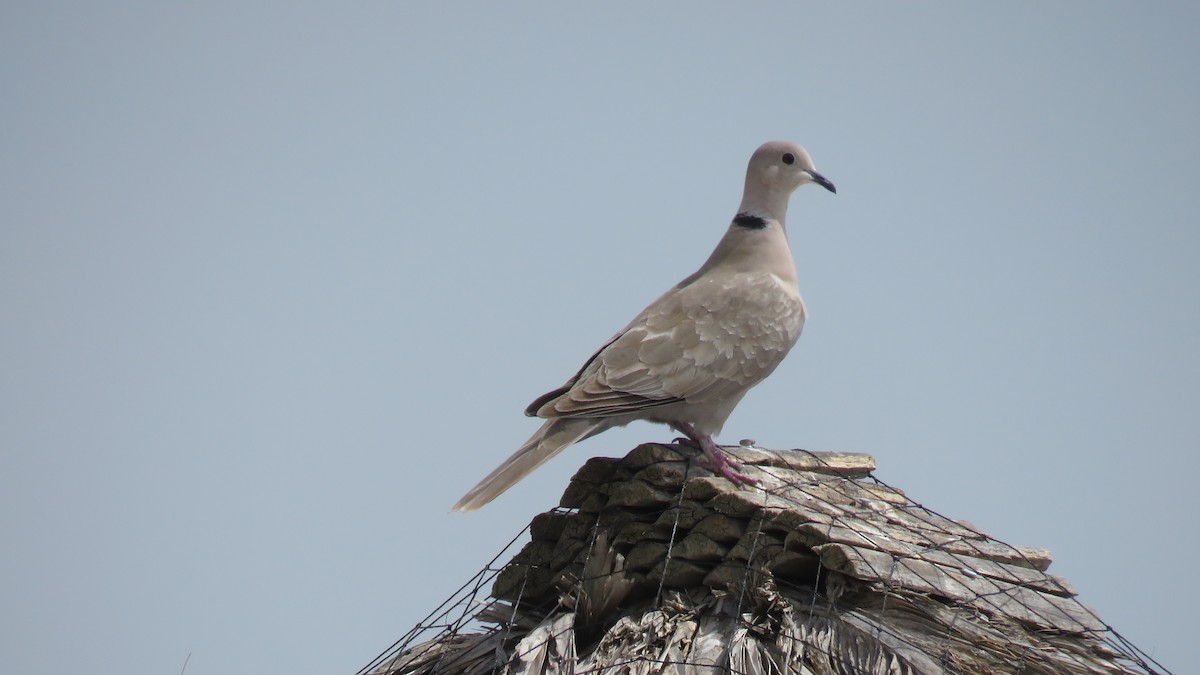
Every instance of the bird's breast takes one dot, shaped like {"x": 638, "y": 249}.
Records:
{"x": 752, "y": 317}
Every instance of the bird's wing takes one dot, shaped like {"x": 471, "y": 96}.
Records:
{"x": 705, "y": 340}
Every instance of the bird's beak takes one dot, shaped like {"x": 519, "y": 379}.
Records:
{"x": 822, "y": 181}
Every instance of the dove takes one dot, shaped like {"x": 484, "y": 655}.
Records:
{"x": 688, "y": 359}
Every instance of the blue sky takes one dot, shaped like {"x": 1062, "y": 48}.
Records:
{"x": 278, "y": 282}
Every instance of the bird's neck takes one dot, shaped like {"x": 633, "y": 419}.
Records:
{"x": 757, "y": 245}
{"x": 765, "y": 200}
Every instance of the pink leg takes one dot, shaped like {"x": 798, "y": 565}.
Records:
{"x": 714, "y": 457}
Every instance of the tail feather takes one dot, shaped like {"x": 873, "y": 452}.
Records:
{"x": 554, "y": 437}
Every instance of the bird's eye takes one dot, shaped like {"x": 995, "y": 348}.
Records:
{"x": 788, "y": 158}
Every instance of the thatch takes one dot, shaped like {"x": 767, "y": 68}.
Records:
{"x": 651, "y": 565}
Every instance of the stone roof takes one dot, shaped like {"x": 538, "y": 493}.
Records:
{"x": 653, "y": 565}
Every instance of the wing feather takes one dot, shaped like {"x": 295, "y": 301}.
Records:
{"x": 708, "y": 339}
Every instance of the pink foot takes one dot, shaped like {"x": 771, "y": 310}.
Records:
{"x": 714, "y": 458}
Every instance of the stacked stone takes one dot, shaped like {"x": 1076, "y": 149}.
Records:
{"x": 676, "y": 526}
{"x": 650, "y": 560}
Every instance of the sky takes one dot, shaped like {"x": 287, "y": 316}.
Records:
{"x": 278, "y": 280}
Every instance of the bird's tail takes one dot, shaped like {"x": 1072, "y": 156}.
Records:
{"x": 554, "y": 437}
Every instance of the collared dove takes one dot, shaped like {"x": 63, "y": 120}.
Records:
{"x": 690, "y": 357}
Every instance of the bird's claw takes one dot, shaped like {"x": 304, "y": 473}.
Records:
{"x": 714, "y": 458}
{"x": 724, "y": 465}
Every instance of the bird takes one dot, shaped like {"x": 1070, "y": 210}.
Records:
{"x": 689, "y": 357}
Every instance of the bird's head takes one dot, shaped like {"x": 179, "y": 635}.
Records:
{"x": 785, "y": 166}
{"x": 776, "y": 169}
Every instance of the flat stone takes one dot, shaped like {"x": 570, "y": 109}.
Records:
{"x": 645, "y": 555}
{"x": 795, "y": 566}
{"x": 703, "y": 488}
{"x": 699, "y": 548}
{"x": 549, "y": 526}
{"x": 634, "y": 533}
{"x": 651, "y": 453}
{"x": 637, "y": 493}
{"x": 721, "y": 528}
{"x": 669, "y": 475}
{"x": 748, "y": 502}
{"x": 682, "y": 517}
{"x": 679, "y": 573}
{"x": 844, "y": 464}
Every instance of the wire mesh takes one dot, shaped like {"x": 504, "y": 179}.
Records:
{"x": 833, "y": 571}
